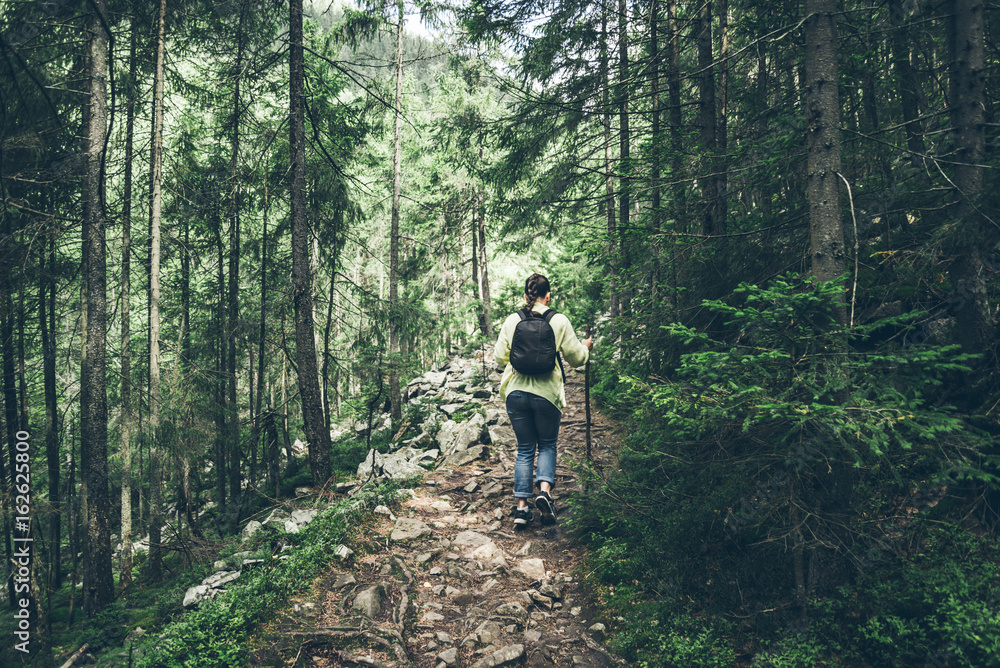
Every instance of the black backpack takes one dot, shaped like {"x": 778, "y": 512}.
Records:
{"x": 533, "y": 347}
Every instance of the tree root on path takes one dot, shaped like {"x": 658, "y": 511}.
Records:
{"x": 323, "y": 636}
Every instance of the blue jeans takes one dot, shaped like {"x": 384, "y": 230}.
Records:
{"x": 535, "y": 421}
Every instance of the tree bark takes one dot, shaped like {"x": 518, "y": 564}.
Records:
{"x": 609, "y": 183}
{"x": 484, "y": 271}
{"x": 155, "y": 213}
{"x": 826, "y": 247}
{"x": 312, "y": 411}
{"x": 99, "y": 585}
{"x": 906, "y": 81}
{"x": 707, "y": 120}
{"x": 674, "y": 114}
{"x": 47, "y": 322}
{"x": 10, "y": 419}
{"x": 624, "y": 160}
{"x": 395, "y": 394}
{"x": 125, "y": 577}
{"x": 221, "y": 449}
{"x": 974, "y": 235}
{"x": 232, "y": 411}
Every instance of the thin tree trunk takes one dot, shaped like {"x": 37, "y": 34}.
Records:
{"x": 47, "y": 321}
{"x": 721, "y": 141}
{"x": 125, "y": 577}
{"x": 609, "y": 183}
{"x": 232, "y": 412}
{"x": 99, "y": 587}
{"x": 823, "y": 120}
{"x": 475, "y": 264}
{"x": 155, "y": 212}
{"x": 707, "y": 118}
{"x": 262, "y": 328}
{"x": 906, "y": 81}
{"x": 654, "y": 93}
{"x": 624, "y": 160}
{"x": 10, "y": 421}
{"x": 484, "y": 270}
{"x": 674, "y": 114}
{"x": 395, "y": 395}
{"x": 312, "y": 417}
{"x": 221, "y": 425}
{"x": 974, "y": 323}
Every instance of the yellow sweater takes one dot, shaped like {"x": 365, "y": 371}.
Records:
{"x": 549, "y": 386}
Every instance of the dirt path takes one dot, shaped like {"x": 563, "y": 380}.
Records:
{"x": 455, "y": 584}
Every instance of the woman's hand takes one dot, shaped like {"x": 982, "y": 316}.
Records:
{"x": 589, "y": 343}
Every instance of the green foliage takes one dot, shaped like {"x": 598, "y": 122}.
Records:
{"x": 942, "y": 601}
{"x": 680, "y": 640}
{"x": 220, "y": 631}
{"x": 725, "y": 467}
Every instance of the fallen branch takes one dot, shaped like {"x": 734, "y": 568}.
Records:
{"x": 76, "y": 655}
{"x": 611, "y": 656}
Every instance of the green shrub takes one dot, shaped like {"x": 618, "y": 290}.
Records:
{"x": 219, "y": 632}
{"x": 740, "y": 454}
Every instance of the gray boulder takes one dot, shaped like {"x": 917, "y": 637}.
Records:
{"x": 464, "y": 457}
{"x": 369, "y": 602}
{"x": 457, "y": 436}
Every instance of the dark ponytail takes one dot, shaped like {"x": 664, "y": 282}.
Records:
{"x": 536, "y": 287}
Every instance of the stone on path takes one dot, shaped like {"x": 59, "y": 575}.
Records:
{"x": 464, "y": 457}
{"x": 502, "y": 656}
{"x": 533, "y": 569}
{"x": 470, "y": 539}
{"x": 369, "y": 601}
{"x": 251, "y": 528}
{"x": 457, "y": 436}
{"x": 344, "y": 580}
{"x": 449, "y": 656}
{"x": 408, "y": 529}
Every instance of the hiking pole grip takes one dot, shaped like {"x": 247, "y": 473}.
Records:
{"x": 586, "y": 393}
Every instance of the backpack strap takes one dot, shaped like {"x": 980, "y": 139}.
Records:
{"x": 548, "y": 316}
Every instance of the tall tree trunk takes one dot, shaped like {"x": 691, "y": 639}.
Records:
{"x": 395, "y": 394}
{"x": 721, "y": 139}
{"x": 707, "y": 119}
{"x": 832, "y": 489}
{"x": 484, "y": 271}
{"x": 232, "y": 412}
{"x": 10, "y": 418}
{"x": 155, "y": 212}
{"x": 624, "y": 161}
{"x": 305, "y": 348}
{"x": 609, "y": 183}
{"x": 125, "y": 577}
{"x": 262, "y": 328}
{"x": 654, "y": 112}
{"x": 823, "y": 137}
{"x": 974, "y": 235}
{"x": 47, "y": 322}
{"x": 906, "y": 81}
{"x": 99, "y": 586}
{"x": 674, "y": 114}
{"x": 475, "y": 263}
{"x": 221, "y": 425}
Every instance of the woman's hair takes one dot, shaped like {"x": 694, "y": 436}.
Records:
{"x": 536, "y": 287}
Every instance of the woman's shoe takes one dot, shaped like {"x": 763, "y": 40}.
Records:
{"x": 546, "y": 507}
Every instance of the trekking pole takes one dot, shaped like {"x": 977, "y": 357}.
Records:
{"x": 586, "y": 395}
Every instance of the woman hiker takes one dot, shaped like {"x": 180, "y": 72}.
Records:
{"x": 532, "y": 387}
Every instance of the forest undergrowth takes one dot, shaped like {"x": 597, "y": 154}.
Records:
{"x": 796, "y": 494}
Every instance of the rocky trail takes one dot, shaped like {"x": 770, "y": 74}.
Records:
{"x": 453, "y": 583}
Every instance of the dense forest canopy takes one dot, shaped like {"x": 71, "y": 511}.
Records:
{"x": 228, "y": 226}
